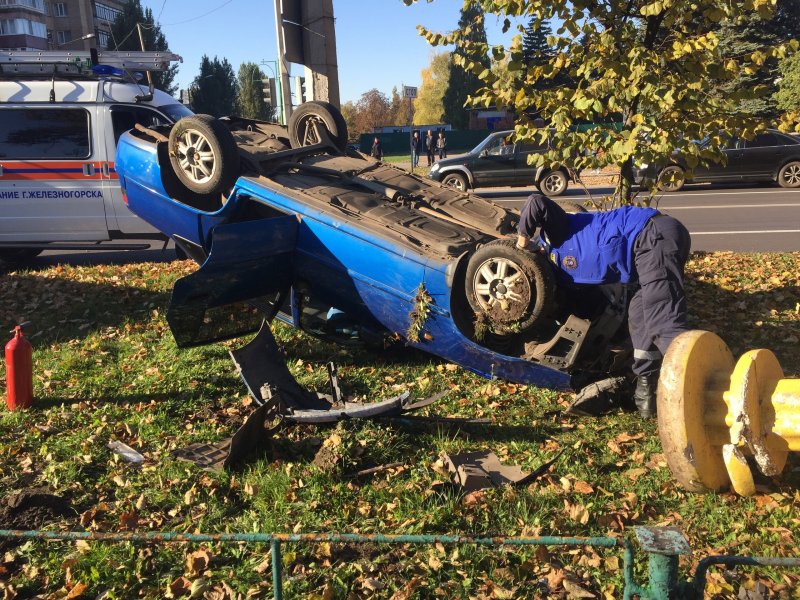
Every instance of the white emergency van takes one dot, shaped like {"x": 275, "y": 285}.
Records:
{"x": 61, "y": 114}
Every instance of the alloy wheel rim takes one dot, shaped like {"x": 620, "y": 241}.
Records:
{"x": 195, "y": 156}
{"x": 792, "y": 175}
{"x": 553, "y": 183}
{"x": 501, "y": 283}
{"x": 455, "y": 182}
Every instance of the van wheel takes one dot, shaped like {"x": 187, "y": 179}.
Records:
{"x": 18, "y": 256}
{"x": 553, "y": 184}
{"x": 512, "y": 288}
{"x": 203, "y": 155}
{"x": 672, "y": 179}
{"x": 311, "y": 120}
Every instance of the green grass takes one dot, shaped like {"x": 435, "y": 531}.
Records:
{"x": 106, "y": 367}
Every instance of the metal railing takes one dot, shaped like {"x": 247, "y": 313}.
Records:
{"x": 661, "y": 545}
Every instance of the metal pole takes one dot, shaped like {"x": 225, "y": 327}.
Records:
{"x": 285, "y": 90}
{"x": 277, "y": 580}
{"x": 272, "y": 64}
{"x": 141, "y": 43}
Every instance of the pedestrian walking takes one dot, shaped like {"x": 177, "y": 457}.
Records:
{"x": 629, "y": 245}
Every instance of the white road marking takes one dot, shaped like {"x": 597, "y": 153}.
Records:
{"x": 707, "y": 206}
{"x": 686, "y": 195}
{"x": 741, "y": 232}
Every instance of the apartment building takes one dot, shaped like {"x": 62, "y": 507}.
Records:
{"x": 48, "y": 25}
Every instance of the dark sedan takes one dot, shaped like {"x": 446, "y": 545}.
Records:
{"x": 771, "y": 156}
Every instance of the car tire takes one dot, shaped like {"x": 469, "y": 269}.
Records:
{"x": 671, "y": 179}
{"x": 19, "y": 256}
{"x": 511, "y": 288}
{"x": 553, "y": 183}
{"x": 307, "y": 119}
{"x": 789, "y": 175}
{"x": 203, "y": 155}
{"x": 456, "y": 180}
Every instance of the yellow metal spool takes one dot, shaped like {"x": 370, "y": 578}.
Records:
{"x": 714, "y": 413}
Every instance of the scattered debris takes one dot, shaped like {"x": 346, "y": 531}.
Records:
{"x": 483, "y": 469}
{"x": 126, "y": 452}
{"x": 600, "y": 397}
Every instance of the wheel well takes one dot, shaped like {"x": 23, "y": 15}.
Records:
{"x": 783, "y": 164}
{"x": 460, "y": 171}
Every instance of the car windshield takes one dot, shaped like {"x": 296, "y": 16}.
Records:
{"x": 175, "y": 111}
{"x": 492, "y": 140}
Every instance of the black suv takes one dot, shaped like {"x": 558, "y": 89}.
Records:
{"x": 496, "y": 161}
{"x": 770, "y": 156}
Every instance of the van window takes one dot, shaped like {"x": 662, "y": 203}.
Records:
{"x": 124, "y": 118}
{"x": 42, "y": 133}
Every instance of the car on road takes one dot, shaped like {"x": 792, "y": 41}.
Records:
{"x": 498, "y": 161}
{"x": 771, "y": 156}
{"x": 287, "y": 222}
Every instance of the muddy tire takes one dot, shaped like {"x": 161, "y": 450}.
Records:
{"x": 672, "y": 179}
{"x": 455, "y": 180}
{"x": 309, "y": 120}
{"x": 553, "y": 183}
{"x": 510, "y": 288}
{"x": 203, "y": 155}
{"x": 789, "y": 175}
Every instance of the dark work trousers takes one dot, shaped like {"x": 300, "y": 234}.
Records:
{"x": 657, "y": 312}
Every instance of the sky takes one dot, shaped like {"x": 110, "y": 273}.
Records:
{"x": 378, "y": 45}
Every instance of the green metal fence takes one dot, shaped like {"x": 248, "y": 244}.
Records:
{"x": 663, "y": 546}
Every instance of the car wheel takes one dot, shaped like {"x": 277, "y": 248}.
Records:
{"x": 553, "y": 184}
{"x": 512, "y": 288}
{"x": 455, "y": 180}
{"x": 203, "y": 155}
{"x": 18, "y": 256}
{"x": 671, "y": 179}
{"x": 309, "y": 120}
{"x": 789, "y": 175}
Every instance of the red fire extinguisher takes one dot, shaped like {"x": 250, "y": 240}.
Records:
{"x": 19, "y": 371}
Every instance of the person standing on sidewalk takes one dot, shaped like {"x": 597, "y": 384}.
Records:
{"x": 377, "y": 149}
{"x": 416, "y": 149}
{"x": 629, "y": 245}
{"x": 441, "y": 146}
{"x": 430, "y": 147}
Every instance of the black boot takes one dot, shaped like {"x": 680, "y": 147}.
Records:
{"x": 645, "y": 395}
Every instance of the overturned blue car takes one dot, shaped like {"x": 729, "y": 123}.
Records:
{"x": 287, "y": 222}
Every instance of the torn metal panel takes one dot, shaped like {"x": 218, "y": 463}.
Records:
{"x": 483, "y": 469}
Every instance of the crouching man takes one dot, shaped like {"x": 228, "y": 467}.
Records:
{"x": 627, "y": 245}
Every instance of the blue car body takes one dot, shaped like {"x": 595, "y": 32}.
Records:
{"x": 305, "y": 253}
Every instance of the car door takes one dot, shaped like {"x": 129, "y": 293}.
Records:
{"x": 730, "y": 170}
{"x": 495, "y": 164}
{"x": 117, "y": 119}
{"x": 51, "y": 187}
{"x": 760, "y": 157}
{"x": 525, "y": 174}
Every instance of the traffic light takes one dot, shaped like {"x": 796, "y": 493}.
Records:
{"x": 270, "y": 97}
{"x": 300, "y": 89}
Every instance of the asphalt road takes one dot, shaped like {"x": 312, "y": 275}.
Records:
{"x": 741, "y": 219}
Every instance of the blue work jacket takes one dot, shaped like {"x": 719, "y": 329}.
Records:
{"x": 598, "y": 247}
